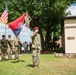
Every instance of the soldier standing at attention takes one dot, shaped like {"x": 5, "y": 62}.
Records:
{"x": 4, "y": 47}
{"x": 9, "y": 47}
{"x": 36, "y": 47}
{"x": 16, "y": 44}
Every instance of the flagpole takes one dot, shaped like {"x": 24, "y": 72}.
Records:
{"x": 6, "y": 22}
{"x": 5, "y": 30}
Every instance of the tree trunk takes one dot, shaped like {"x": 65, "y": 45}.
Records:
{"x": 45, "y": 44}
{"x": 47, "y": 39}
{"x": 42, "y": 41}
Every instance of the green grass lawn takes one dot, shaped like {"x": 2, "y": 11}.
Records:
{"x": 49, "y": 65}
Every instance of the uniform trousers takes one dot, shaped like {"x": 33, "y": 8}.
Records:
{"x": 36, "y": 57}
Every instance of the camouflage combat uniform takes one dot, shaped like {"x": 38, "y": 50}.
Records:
{"x": 4, "y": 47}
{"x": 36, "y": 47}
{"x": 10, "y": 49}
{"x": 16, "y": 44}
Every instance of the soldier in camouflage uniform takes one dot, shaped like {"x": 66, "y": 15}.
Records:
{"x": 9, "y": 47}
{"x": 36, "y": 47}
{"x": 16, "y": 44}
{"x": 4, "y": 46}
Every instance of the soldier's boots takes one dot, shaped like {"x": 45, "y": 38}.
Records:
{"x": 36, "y": 66}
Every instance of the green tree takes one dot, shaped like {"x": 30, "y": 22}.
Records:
{"x": 46, "y": 14}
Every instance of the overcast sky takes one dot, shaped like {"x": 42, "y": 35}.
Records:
{"x": 26, "y": 32}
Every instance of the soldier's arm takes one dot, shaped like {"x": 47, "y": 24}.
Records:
{"x": 40, "y": 42}
{"x": 14, "y": 40}
{"x": 8, "y": 42}
{"x": 33, "y": 34}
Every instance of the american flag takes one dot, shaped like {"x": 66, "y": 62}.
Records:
{"x": 4, "y": 16}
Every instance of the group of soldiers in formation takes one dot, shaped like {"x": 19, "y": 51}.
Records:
{"x": 6, "y": 46}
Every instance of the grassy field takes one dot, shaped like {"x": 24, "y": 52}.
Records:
{"x": 49, "y": 65}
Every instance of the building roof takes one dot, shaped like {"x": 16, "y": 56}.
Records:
{"x": 69, "y": 17}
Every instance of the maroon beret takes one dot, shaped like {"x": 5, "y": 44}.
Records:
{"x": 9, "y": 35}
{"x": 35, "y": 28}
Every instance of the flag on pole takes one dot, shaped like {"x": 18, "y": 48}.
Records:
{"x": 4, "y": 16}
{"x": 17, "y": 24}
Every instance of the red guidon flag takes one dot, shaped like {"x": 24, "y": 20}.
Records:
{"x": 17, "y": 24}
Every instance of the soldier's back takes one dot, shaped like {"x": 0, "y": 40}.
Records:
{"x": 3, "y": 43}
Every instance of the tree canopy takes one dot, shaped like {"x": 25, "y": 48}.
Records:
{"x": 46, "y": 14}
